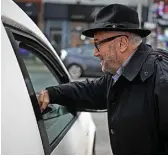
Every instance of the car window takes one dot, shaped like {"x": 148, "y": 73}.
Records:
{"x": 55, "y": 117}
{"x": 40, "y": 69}
{"x": 40, "y": 75}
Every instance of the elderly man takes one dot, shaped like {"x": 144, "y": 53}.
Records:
{"x": 134, "y": 89}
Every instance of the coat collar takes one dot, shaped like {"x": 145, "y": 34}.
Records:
{"x": 135, "y": 64}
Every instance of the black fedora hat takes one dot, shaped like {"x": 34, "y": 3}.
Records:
{"x": 117, "y": 17}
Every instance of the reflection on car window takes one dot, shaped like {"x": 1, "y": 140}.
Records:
{"x": 40, "y": 75}
{"x": 55, "y": 117}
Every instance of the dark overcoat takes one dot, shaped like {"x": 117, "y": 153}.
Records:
{"x": 137, "y": 104}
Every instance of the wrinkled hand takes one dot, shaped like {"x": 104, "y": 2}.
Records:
{"x": 43, "y": 99}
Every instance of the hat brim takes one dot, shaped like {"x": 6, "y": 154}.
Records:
{"x": 140, "y": 32}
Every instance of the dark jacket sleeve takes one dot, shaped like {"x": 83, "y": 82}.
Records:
{"x": 86, "y": 94}
{"x": 162, "y": 106}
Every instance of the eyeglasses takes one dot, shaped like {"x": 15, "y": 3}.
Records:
{"x": 97, "y": 44}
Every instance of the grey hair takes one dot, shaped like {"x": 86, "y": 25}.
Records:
{"x": 133, "y": 38}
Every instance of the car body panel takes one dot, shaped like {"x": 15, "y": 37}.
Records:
{"x": 76, "y": 147}
{"x": 17, "y": 112}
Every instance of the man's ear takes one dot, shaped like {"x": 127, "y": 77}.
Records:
{"x": 123, "y": 44}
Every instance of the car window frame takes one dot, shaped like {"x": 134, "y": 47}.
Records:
{"x": 48, "y": 148}
{"x": 36, "y": 52}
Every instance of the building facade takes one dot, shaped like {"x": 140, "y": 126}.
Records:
{"x": 62, "y": 21}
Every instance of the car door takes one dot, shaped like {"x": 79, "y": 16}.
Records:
{"x": 61, "y": 131}
{"x": 19, "y": 130}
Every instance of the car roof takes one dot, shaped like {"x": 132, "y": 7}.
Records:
{"x": 85, "y": 46}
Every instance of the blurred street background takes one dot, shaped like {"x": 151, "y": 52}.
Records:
{"x": 62, "y": 22}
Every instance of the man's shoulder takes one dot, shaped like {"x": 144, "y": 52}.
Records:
{"x": 157, "y": 58}
{"x": 162, "y": 66}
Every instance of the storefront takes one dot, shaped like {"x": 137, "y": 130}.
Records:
{"x": 65, "y": 22}
{"x": 162, "y": 29}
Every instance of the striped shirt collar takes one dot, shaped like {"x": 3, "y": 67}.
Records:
{"x": 120, "y": 70}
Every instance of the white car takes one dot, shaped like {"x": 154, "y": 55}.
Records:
{"x": 30, "y": 64}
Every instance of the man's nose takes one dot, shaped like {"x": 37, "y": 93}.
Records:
{"x": 96, "y": 53}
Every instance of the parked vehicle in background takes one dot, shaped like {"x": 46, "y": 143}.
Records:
{"x": 80, "y": 61}
{"x": 30, "y": 64}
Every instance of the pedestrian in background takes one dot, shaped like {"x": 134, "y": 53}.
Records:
{"x": 134, "y": 88}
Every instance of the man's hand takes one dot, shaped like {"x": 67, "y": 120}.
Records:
{"x": 43, "y": 99}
